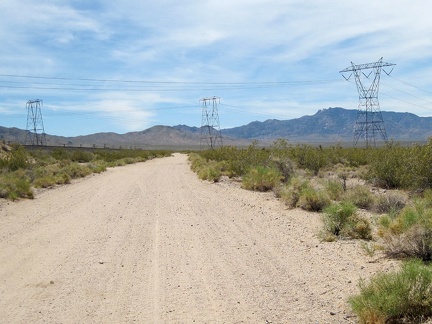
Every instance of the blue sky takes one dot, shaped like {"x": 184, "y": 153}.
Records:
{"x": 127, "y": 65}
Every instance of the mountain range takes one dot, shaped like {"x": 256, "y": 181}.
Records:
{"x": 331, "y": 125}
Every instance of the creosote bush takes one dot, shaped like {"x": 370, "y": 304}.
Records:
{"x": 261, "y": 179}
{"x": 400, "y": 297}
{"x": 334, "y": 189}
{"x": 15, "y": 185}
{"x": 312, "y": 199}
{"x": 360, "y": 196}
{"x": 341, "y": 220}
{"x": 409, "y": 233}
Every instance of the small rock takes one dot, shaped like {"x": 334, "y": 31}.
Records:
{"x": 332, "y": 313}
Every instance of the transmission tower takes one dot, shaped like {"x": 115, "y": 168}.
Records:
{"x": 369, "y": 121}
{"x": 35, "y": 129}
{"x": 210, "y": 128}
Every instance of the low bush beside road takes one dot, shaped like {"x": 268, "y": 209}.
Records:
{"x": 377, "y": 195}
{"x": 22, "y": 170}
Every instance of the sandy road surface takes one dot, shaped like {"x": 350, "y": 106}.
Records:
{"x": 150, "y": 243}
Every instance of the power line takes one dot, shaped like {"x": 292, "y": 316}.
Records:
{"x": 412, "y": 85}
{"x": 170, "y": 82}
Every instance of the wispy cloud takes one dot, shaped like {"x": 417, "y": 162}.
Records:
{"x": 203, "y": 47}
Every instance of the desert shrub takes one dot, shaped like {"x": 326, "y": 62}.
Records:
{"x": 418, "y": 164}
{"x": 312, "y": 199}
{"x": 389, "y": 203}
{"x": 360, "y": 196}
{"x": 395, "y": 297}
{"x": 285, "y": 167}
{"x": 334, "y": 189}
{"x": 45, "y": 182}
{"x": 210, "y": 172}
{"x": 290, "y": 193}
{"x": 395, "y": 166}
{"x": 61, "y": 154}
{"x": 310, "y": 158}
{"x": 17, "y": 158}
{"x": 427, "y": 198}
{"x": 409, "y": 234}
{"x": 261, "y": 179}
{"x": 341, "y": 219}
{"x": 388, "y": 165}
{"x": 98, "y": 166}
{"x": 358, "y": 227}
{"x": 75, "y": 170}
{"x": 15, "y": 185}
{"x": 336, "y": 216}
{"x": 196, "y": 161}
{"x": 81, "y": 156}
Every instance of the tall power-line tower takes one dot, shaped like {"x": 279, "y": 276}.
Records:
{"x": 369, "y": 121}
{"x": 35, "y": 128}
{"x": 210, "y": 127}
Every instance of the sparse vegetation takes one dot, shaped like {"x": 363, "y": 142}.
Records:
{"x": 312, "y": 199}
{"x": 261, "y": 178}
{"x": 346, "y": 183}
{"x": 20, "y": 170}
{"x": 408, "y": 233}
{"x": 341, "y": 220}
{"x": 401, "y": 297}
{"x": 360, "y": 196}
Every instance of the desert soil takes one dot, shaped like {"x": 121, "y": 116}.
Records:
{"x": 151, "y": 243}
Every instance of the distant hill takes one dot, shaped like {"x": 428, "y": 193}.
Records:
{"x": 333, "y": 125}
{"x": 329, "y": 125}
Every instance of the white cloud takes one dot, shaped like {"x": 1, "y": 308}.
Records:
{"x": 214, "y": 41}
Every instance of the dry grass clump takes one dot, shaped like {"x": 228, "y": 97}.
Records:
{"x": 392, "y": 202}
{"x": 290, "y": 193}
{"x": 408, "y": 233}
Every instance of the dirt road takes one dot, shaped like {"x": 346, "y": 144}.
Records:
{"x": 150, "y": 243}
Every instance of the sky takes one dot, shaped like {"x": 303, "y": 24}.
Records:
{"x": 122, "y": 66}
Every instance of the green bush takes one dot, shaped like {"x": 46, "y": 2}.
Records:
{"x": 360, "y": 196}
{"x": 336, "y": 217}
{"x": 341, "y": 219}
{"x": 17, "y": 158}
{"x": 15, "y": 185}
{"x": 210, "y": 172}
{"x": 81, "y": 156}
{"x": 310, "y": 158}
{"x": 334, "y": 189}
{"x": 76, "y": 170}
{"x": 312, "y": 199}
{"x": 358, "y": 227}
{"x": 396, "y": 297}
{"x": 261, "y": 179}
{"x": 409, "y": 234}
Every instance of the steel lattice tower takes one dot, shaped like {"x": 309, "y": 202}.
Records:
{"x": 35, "y": 129}
{"x": 369, "y": 121}
{"x": 210, "y": 126}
